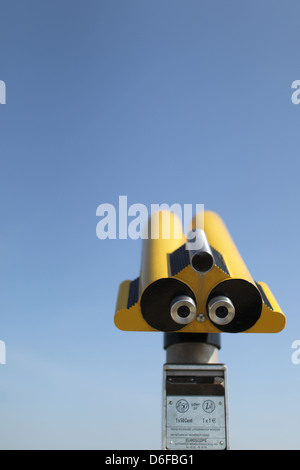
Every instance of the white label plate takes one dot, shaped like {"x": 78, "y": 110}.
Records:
{"x": 195, "y": 422}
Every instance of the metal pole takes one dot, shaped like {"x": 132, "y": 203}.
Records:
{"x": 192, "y": 348}
{"x": 195, "y": 411}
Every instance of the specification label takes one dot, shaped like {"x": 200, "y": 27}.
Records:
{"x": 196, "y": 422}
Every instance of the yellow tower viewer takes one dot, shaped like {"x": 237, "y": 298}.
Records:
{"x": 203, "y": 290}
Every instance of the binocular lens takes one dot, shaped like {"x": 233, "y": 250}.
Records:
{"x": 183, "y": 310}
{"x": 221, "y": 310}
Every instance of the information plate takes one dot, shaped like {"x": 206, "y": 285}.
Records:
{"x": 196, "y": 422}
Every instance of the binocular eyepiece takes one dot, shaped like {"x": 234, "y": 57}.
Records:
{"x": 183, "y": 310}
{"x": 234, "y": 305}
{"x": 221, "y": 310}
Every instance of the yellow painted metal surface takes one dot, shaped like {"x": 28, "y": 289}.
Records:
{"x": 165, "y": 235}
{"x": 220, "y": 239}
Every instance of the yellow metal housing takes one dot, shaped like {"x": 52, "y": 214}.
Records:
{"x": 143, "y": 304}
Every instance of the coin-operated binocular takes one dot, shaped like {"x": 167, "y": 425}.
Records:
{"x": 192, "y": 288}
{"x": 195, "y": 284}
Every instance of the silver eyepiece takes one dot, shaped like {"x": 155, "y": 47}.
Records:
{"x": 221, "y": 310}
{"x": 183, "y": 310}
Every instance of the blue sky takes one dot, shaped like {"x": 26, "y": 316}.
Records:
{"x": 164, "y": 102}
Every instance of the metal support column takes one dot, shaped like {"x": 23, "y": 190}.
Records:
{"x": 192, "y": 348}
{"x": 195, "y": 411}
